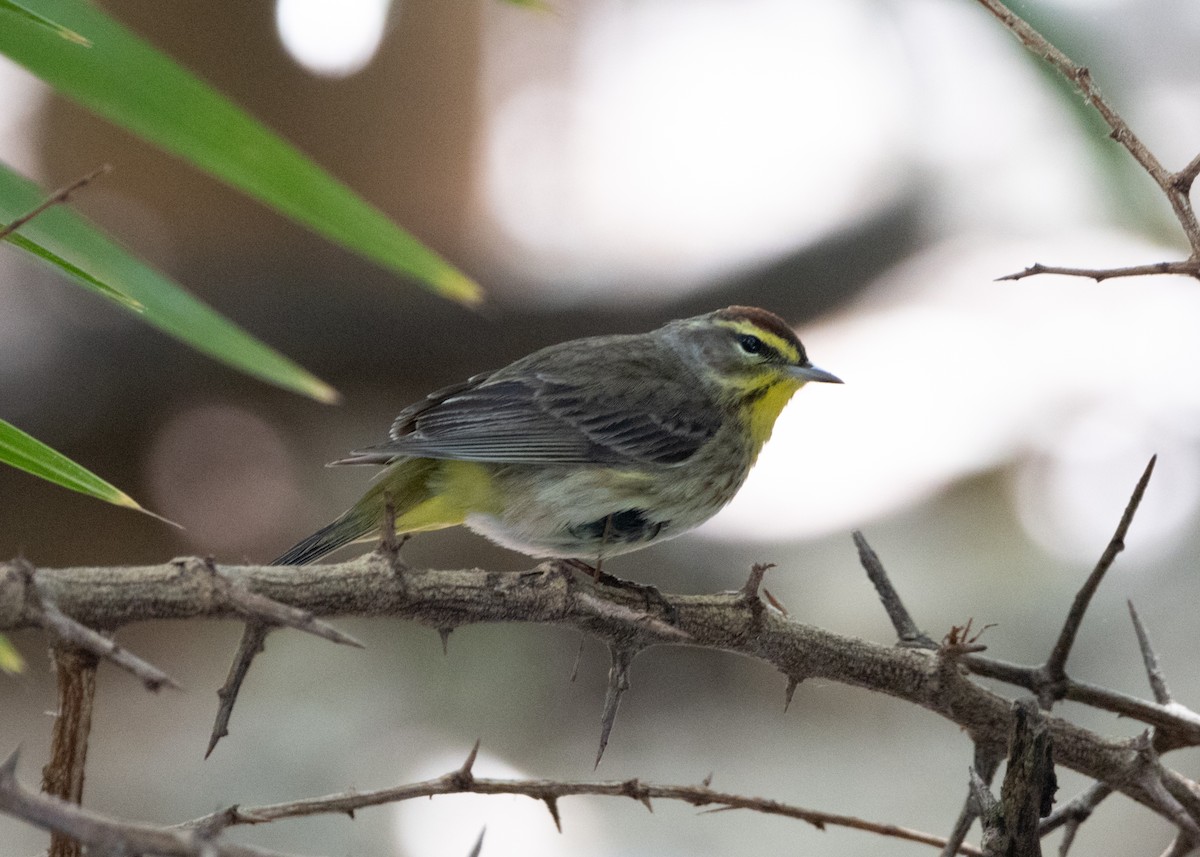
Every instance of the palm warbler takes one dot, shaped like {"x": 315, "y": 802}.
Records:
{"x": 589, "y": 448}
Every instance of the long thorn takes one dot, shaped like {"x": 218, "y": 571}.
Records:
{"x": 1158, "y": 684}
{"x": 1054, "y": 667}
{"x": 906, "y": 628}
{"x": 618, "y": 683}
{"x": 253, "y": 639}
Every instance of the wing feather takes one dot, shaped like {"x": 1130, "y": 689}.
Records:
{"x": 528, "y": 417}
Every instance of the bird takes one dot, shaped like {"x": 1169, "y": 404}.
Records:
{"x": 586, "y": 449}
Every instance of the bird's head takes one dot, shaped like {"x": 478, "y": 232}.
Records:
{"x": 745, "y": 349}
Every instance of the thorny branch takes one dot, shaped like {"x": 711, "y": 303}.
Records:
{"x": 1175, "y": 725}
{"x": 194, "y": 837}
{"x": 106, "y": 835}
{"x": 550, "y": 594}
{"x": 1176, "y": 187}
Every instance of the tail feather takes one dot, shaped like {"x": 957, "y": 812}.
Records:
{"x": 404, "y": 485}
{"x": 350, "y": 527}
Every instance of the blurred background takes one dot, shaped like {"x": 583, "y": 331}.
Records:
{"x": 865, "y": 169}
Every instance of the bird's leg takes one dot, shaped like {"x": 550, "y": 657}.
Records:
{"x": 649, "y": 593}
{"x": 596, "y": 572}
{"x": 390, "y": 542}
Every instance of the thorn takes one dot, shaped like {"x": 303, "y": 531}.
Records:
{"x": 707, "y": 781}
{"x": 1054, "y": 668}
{"x": 757, "y": 571}
{"x": 618, "y": 683}
{"x": 1158, "y": 684}
{"x": 253, "y": 641}
{"x": 984, "y": 801}
{"x": 634, "y": 789}
{"x": 445, "y": 633}
{"x": 906, "y": 629}
{"x": 478, "y": 846}
{"x": 465, "y": 771}
{"x": 578, "y": 657}
{"x": 8, "y": 768}
{"x": 792, "y": 684}
{"x": 774, "y": 602}
{"x": 552, "y": 804}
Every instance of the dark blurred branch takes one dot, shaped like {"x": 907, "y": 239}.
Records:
{"x": 63, "y": 775}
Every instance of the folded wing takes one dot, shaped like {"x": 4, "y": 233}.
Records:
{"x": 540, "y": 419}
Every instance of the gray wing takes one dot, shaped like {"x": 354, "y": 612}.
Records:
{"x": 539, "y": 419}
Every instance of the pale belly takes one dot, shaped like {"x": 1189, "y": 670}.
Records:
{"x": 591, "y": 513}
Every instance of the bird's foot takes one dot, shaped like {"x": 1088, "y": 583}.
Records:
{"x": 651, "y": 594}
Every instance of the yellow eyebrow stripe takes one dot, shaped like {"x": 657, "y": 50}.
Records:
{"x": 781, "y": 345}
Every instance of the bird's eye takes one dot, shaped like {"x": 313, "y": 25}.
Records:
{"x": 750, "y": 344}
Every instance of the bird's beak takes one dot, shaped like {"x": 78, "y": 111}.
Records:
{"x": 812, "y": 373}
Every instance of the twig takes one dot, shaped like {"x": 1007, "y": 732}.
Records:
{"x": 106, "y": 835}
{"x": 1185, "y": 177}
{"x": 1174, "y": 717}
{"x": 264, "y": 615}
{"x": 906, "y": 628}
{"x": 1187, "y": 268}
{"x": 757, "y": 572}
{"x": 456, "y": 782}
{"x": 59, "y": 197}
{"x": 1180, "y": 846}
{"x": 987, "y": 760}
{"x": 1149, "y": 771}
{"x": 260, "y": 608}
{"x": 1074, "y": 813}
{"x": 48, "y": 617}
{"x": 1175, "y": 186}
{"x": 990, "y": 814}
